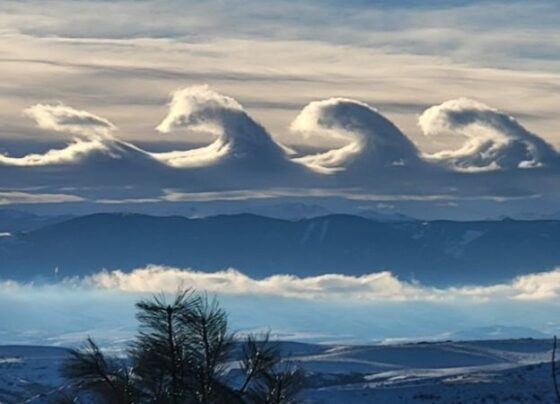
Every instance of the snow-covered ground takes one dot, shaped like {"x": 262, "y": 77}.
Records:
{"x": 446, "y": 372}
{"x": 30, "y": 373}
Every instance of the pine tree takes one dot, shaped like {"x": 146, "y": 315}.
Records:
{"x": 180, "y": 355}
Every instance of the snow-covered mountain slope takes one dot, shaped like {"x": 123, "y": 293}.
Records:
{"x": 30, "y": 373}
{"x": 440, "y": 372}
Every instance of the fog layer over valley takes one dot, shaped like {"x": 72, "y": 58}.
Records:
{"x": 371, "y": 308}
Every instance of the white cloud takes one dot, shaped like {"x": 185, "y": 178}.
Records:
{"x": 373, "y": 139}
{"x": 176, "y": 195}
{"x": 380, "y": 286}
{"x": 495, "y": 140}
{"x": 11, "y": 198}
{"x": 72, "y": 153}
{"x": 62, "y": 118}
{"x": 92, "y": 134}
{"x": 379, "y": 163}
{"x": 239, "y": 137}
{"x": 337, "y": 306}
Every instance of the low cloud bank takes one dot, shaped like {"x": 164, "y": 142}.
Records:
{"x": 328, "y": 308}
{"x": 380, "y": 286}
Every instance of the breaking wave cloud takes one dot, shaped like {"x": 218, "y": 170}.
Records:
{"x": 499, "y": 157}
{"x": 495, "y": 140}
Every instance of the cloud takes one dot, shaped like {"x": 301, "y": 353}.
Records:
{"x": 92, "y": 134}
{"x": 92, "y": 141}
{"x": 75, "y": 151}
{"x": 379, "y": 286}
{"x": 374, "y": 141}
{"x": 11, "y": 198}
{"x": 62, "y": 118}
{"x": 335, "y": 306}
{"x": 239, "y": 137}
{"x": 378, "y": 161}
{"x": 495, "y": 140}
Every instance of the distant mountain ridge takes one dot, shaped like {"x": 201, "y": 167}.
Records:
{"x": 13, "y": 220}
{"x": 432, "y": 252}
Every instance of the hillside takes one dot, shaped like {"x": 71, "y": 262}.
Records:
{"x": 436, "y": 252}
{"x": 442, "y": 372}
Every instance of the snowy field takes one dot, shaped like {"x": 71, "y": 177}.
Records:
{"x": 514, "y": 371}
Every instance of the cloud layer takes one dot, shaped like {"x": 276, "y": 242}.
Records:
{"x": 377, "y": 160}
{"x": 325, "y": 308}
{"x": 380, "y": 286}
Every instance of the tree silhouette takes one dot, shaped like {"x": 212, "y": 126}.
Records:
{"x": 554, "y": 375}
{"x": 109, "y": 380}
{"x": 158, "y": 352}
{"x": 180, "y": 356}
{"x": 267, "y": 380}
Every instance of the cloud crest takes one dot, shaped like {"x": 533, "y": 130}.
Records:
{"x": 91, "y": 134}
{"x": 495, "y": 140}
{"x": 373, "y": 140}
{"x": 92, "y": 139}
{"x": 239, "y": 137}
{"x": 62, "y": 118}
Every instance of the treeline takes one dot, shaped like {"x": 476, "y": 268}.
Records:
{"x": 184, "y": 353}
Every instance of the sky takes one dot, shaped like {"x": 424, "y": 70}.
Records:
{"x": 453, "y": 101}
{"x": 439, "y": 109}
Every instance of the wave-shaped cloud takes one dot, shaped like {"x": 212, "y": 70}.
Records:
{"x": 62, "y": 118}
{"x": 495, "y": 140}
{"x": 374, "y": 141}
{"x": 239, "y": 137}
{"x": 92, "y": 136}
{"x": 74, "y": 152}
{"x": 380, "y": 286}
{"x": 378, "y": 157}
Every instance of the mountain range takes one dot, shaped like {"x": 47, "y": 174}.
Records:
{"x": 432, "y": 252}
